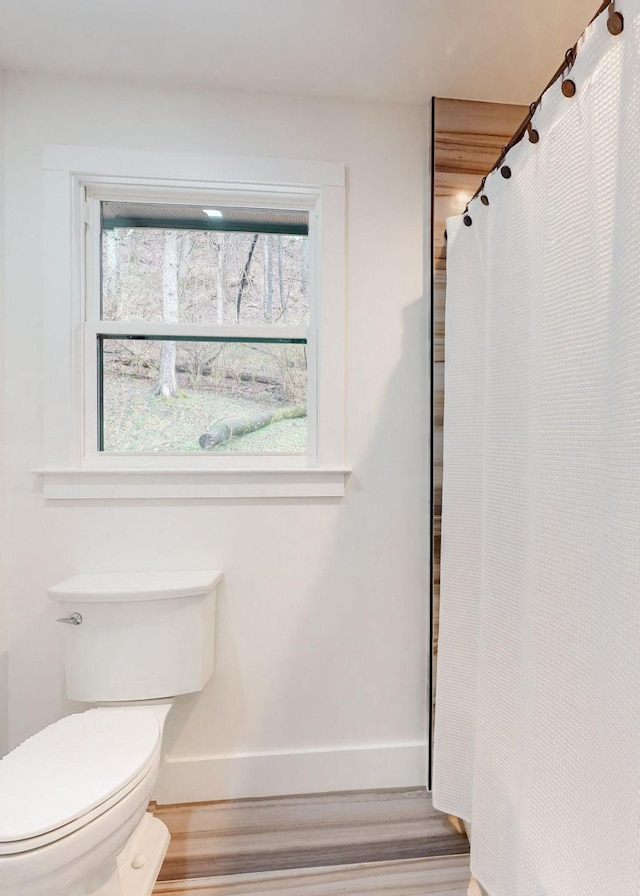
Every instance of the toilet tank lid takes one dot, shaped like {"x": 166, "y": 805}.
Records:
{"x": 72, "y": 766}
{"x": 127, "y": 586}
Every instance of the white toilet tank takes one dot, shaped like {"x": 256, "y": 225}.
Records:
{"x": 137, "y": 636}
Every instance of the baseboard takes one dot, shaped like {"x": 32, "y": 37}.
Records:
{"x": 209, "y": 778}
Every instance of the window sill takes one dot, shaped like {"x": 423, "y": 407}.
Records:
{"x": 128, "y": 484}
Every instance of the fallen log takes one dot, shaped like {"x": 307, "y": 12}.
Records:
{"x": 223, "y": 430}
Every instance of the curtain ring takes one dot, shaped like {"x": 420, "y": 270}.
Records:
{"x": 483, "y": 198}
{"x": 568, "y": 86}
{"x": 615, "y": 22}
{"x": 534, "y": 136}
{"x": 505, "y": 171}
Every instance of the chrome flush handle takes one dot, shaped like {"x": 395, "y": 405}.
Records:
{"x": 74, "y": 619}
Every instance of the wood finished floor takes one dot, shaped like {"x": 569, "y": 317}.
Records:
{"x": 446, "y": 876}
{"x": 382, "y": 842}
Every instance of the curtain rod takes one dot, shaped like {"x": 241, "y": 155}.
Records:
{"x": 615, "y": 24}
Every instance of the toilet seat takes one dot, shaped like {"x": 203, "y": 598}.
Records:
{"x": 69, "y": 773}
{"x": 15, "y": 847}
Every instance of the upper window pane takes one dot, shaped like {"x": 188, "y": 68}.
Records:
{"x": 197, "y": 265}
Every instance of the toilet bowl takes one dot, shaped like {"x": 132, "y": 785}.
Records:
{"x": 57, "y": 833}
{"x": 74, "y": 797}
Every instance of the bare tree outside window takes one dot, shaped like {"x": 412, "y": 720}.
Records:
{"x": 219, "y": 241}
{"x": 167, "y": 386}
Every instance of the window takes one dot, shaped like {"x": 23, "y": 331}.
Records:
{"x": 210, "y": 319}
{"x": 200, "y": 329}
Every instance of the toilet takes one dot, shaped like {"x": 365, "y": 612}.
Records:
{"x": 74, "y": 797}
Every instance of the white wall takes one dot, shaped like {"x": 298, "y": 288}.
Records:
{"x": 320, "y": 680}
{"x": 4, "y": 709}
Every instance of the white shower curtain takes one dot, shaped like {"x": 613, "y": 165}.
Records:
{"x": 537, "y": 737}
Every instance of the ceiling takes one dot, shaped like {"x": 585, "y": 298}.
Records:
{"x": 392, "y": 50}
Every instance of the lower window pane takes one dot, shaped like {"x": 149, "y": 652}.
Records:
{"x": 166, "y": 396}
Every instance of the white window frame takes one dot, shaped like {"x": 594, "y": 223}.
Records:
{"x": 75, "y": 181}
{"x": 92, "y": 194}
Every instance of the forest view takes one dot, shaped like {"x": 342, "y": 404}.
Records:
{"x": 188, "y": 394}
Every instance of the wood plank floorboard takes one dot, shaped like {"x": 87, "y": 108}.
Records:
{"x": 445, "y": 876}
{"x": 246, "y": 836}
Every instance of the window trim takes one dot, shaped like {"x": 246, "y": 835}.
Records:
{"x": 72, "y": 471}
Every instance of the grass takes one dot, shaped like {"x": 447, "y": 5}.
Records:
{"x": 137, "y": 420}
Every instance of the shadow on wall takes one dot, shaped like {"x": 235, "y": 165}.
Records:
{"x": 366, "y": 621}
{"x": 4, "y": 702}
